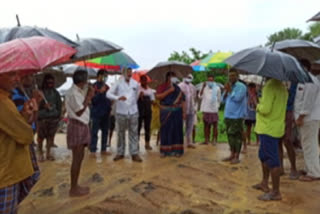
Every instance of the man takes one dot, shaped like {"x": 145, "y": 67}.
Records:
{"x": 48, "y": 117}
{"x": 125, "y": 92}
{"x": 146, "y": 98}
{"x": 288, "y": 136}
{"x": 100, "y": 113}
{"x": 307, "y": 116}
{"x": 235, "y": 108}
{"x": 78, "y": 98}
{"x": 190, "y": 93}
{"x": 270, "y": 127}
{"x": 211, "y": 96}
{"x": 16, "y": 136}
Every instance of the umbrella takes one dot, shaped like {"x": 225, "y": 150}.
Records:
{"x": 8, "y": 34}
{"x": 158, "y": 73}
{"x": 299, "y": 48}
{"x": 70, "y": 69}
{"x": 267, "y": 63}
{"x": 315, "y": 17}
{"x": 137, "y": 75}
{"x": 197, "y": 67}
{"x": 251, "y": 79}
{"x": 317, "y": 40}
{"x": 216, "y": 60}
{"x": 92, "y": 48}
{"x": 120, "y": 59}
{"x": 59, "y": 77}
{"x": 32, "y": 54}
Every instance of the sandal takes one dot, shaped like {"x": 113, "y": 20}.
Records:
{"x": 260, "y": 187}
{"x": 307, "y": 178}
{"x": 269, "y": 197}
{"x": 294, "y": 176}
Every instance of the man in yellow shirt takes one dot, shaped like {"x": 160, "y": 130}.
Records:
{"x": 15, "y": 137}
{"x": 270, "y": 127}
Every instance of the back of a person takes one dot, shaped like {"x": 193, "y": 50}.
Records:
{"x": 274, "y": 98}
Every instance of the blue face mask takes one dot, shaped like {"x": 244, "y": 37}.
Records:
{"x": 210, "y": 85}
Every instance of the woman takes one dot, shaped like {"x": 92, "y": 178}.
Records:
{"x": 171, "y": 117}
{"x": 250, "y": 118}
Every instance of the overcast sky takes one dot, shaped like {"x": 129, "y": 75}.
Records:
{"x": 149, "y": 30}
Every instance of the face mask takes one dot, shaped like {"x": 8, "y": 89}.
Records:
{"x": 188, "y": 80}
{"x": 210, "y": 85}
{"x": 174, "y": 80}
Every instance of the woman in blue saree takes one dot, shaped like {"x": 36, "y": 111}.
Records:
{"x": 171, "y": 117}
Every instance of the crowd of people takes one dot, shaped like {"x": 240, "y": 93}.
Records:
{"x": 127, "y": 106}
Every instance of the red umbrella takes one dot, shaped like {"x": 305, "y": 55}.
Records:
{"x": 137, "y": 75}
{"x": 32, "y": 54}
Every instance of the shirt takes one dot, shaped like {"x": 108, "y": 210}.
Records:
{"x": 54, "y": 99}
{"x": 190, "y": 93}
{"x": 100, "y": 104}
{"x": 236, "y": 102}
{"x": 15, "y": 137}
{"x": 291, "y": 98}
{"x": 75, "y": 97}
{"x": 130, "y": 91}
{"x": 207, "y": 105}
{"x": 271, "y": 110}
{"x": 19, "y": 98}
{"x": 307, "y": 100}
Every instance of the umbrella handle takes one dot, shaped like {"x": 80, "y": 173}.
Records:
{"x": 37, "y": 88}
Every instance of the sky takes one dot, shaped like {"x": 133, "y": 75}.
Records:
{"x": 150, "y": 30}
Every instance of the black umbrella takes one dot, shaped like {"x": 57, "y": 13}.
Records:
{"x": 70, "y": 69}
{"x": 267, "y": 63}
{"x": 317, "y": 40}
{"x": 300, "y": 49}
{"x": 158, "y": 73}
{"x": 59, "y": 76}
{"x": 92, "y": 48}
{"x": 8, "y": 34}
{"x": 315, "y": 17}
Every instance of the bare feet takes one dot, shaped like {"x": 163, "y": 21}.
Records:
{"x": 50, "y": 158}
{"x": 105, "y": 153}
{"x": 148, "y": 147}
{"x": 227, "y": 159}
{"x": 190, "y": 146}
{"x": 41, "y": 157}
{"x": 118, "y": 157}
{"x": 79, "y": 191}
{"x": 270, "y": 197}
{"x": 294, "y": 175}
{"x": 260, "y": 186}
{"x": 244, "y": 151}
{"x": 235, "y": 161}
{"x": 92, "y": 155}
{"x": 136, "y": 158}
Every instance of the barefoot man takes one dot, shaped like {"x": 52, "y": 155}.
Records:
{"x": 236, "y": 104}
{"x": 271, "y": 113}
{"x": 78, "y": 133}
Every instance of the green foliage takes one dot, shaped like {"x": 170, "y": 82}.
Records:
{"x": 287, "y": 33}
{"x": 294, "y": 33}
{"x": 186, "y": 57}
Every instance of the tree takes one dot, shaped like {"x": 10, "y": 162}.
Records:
{"x": 287, "y": 33}
{"x": 186, "y": 57}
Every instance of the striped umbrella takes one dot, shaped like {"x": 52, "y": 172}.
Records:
{"x": 216, "y": 60}
{"x": 120, "y": 59}
{"x": 197, "y": 67}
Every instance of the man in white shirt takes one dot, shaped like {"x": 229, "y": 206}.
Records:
{"x": 190, "y": 93}
{"x": 211, "y": 98}
{"x": 78, "y": 98}
{"x": 126, "y": 93}
{"x": 307, "y": 116}
{"x": 146, "y": 98}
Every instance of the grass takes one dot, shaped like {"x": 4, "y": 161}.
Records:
{"x": 222, "y": 135}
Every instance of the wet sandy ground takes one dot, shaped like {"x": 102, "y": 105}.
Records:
{"x": 197, "y": 183}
